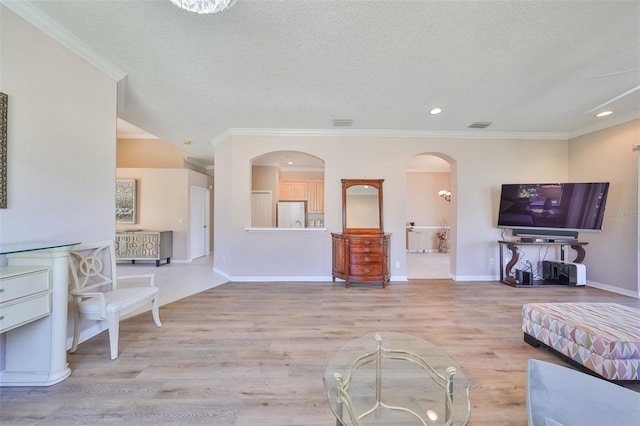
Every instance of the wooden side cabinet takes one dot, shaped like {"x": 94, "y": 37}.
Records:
{"x": 144, "y": 245}
{"x": 361, "y": 258}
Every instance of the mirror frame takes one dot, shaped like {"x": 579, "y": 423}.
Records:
{"x": 347, "y": 183}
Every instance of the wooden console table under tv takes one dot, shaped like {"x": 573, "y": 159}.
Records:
{"x": 512, "y": 246}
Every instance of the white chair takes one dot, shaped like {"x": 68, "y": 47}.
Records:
{"x": 94, "y": 287}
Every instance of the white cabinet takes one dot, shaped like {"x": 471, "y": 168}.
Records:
{"x": 25, "y": 296}
{"x": 34, "y": 304}
{"x": 144, "y": 245}
{"x": 419, "y": 240}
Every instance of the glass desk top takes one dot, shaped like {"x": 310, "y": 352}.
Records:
{"x": 33, "y": 246}
{"x": 396, "y": 379}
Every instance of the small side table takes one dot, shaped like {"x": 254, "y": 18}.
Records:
{"x": 415, "y": 383}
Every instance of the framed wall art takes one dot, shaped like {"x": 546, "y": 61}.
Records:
{"x": 4, "y": 109}
{"x": 126, "y": 201}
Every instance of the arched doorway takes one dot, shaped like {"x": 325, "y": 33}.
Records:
{"x": 429, "y": 219}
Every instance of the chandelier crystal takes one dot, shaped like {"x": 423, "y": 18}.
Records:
{"x": 204, "y": 6}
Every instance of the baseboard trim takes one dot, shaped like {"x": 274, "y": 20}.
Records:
{"x": 613, "y": 289}
{"x": 475, "y": 278}
{"x": 288, "y": 278}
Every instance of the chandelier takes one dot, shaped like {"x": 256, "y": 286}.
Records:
{"x": 445, "y": 194}
{"x": 204, "y": 6}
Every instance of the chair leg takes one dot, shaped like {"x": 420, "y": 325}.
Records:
{"x": 155, "y": 312}
{"x": 76, "y": 330}
{"x": 114, "y": 331}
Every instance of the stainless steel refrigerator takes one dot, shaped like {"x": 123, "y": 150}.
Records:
{"x": 291, "y": 214}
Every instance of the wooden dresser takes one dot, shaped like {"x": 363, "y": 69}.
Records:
{"x": 361, "y": 257}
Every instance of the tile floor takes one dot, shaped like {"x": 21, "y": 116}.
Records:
{"x": 177, "y": 280}
{"x": 428, "y": 265}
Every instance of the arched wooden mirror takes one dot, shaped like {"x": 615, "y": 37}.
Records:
{"x": 361, "y": 252}
{"x": 362, "y": 206}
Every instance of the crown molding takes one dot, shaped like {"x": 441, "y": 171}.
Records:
{"x": 613, "y": 121}
{"x": 221, "y": 138}
{"x": 135, "y": 135}
{"x": 394, "y": 133}
{"x": 37, "y": 18}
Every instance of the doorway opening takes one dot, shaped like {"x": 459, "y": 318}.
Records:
{"x": 428, "y": 207}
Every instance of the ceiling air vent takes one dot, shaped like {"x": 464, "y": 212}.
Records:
{"x": 342, "y": 122}
{"x": 480, "y": 125}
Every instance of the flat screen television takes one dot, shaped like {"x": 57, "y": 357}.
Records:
{"x": 552, "y": 208}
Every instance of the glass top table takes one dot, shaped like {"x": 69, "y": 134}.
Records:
{"x": 34, "y": 246}
{"x": 395, "y": 379}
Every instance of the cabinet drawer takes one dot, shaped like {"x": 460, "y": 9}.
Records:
{"x": 366, "y": 249}
{"x": 14, "y": 287}
{"x": 366, "y": 259}
{"x": 374, "y": 269}
{"x": 366, "y": 242}
{"x": 24, "y": 310}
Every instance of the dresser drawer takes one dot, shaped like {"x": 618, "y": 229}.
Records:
{"x": 366, "y": 242}
{"x": 374, "y": 269}
{"x": 23, "y": 311}
{"x": 366, "y": 259}
{"x": 16, "y": 286}
{"x": 365, "y": 249}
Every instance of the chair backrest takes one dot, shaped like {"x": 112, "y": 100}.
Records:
{"x": 92, "y": 266}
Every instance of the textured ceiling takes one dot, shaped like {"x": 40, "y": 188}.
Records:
{"x": 534, "y": 68}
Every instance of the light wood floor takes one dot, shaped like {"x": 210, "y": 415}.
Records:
{"x": 247, "y": 354}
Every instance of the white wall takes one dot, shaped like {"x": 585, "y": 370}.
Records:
{"x": 164, "y": 203}
{"x": 478, "y": 168}
{"x": 424, "y": 206}
{"x": 607, "y": 155}
{"x": 61, "y": 140}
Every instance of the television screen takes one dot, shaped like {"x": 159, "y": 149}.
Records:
{"x": 553, "y": 206}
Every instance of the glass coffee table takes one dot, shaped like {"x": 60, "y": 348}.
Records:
{"x": 396, "y": 379}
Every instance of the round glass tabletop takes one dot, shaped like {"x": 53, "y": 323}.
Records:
{"x": 387, "y": 378}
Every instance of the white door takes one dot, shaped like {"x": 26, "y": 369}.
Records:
{"x": 261, "y": 209}
{"x": 199, "y": 222}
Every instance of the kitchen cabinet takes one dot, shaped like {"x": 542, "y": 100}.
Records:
{"x": 293, "y": 191}
{"x": 315, "y": 200}
{"x": 310, "y": 191}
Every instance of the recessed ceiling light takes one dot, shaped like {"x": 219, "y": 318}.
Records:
{"x": 289, "y": 162}
{"x": 435, "y": 111}
{"x": 604, "y": 113}
{"x": 187, "y": 142}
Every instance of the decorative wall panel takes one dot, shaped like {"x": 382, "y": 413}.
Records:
{"x": 126, "y": 201}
